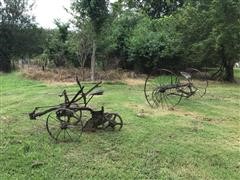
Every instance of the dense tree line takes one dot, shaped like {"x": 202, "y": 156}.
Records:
{"x": 131, "y": 34}
{"x": 19, "y": 37}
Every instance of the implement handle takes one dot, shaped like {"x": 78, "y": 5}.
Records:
{"x": 78, "y": 82}
{"x": 33, "y": 114}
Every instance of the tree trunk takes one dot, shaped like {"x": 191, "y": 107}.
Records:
{"x": 228, "y": 66}
{"x": 5, "y": 64}
{"x": 93, "y": 60}
{"x": 229, "y": 73}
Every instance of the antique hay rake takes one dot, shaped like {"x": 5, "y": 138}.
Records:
{"x": 67, "y": 121}
{"x": 163, "y": 88}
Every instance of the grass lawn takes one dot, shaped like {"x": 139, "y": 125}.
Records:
{"x": 237, "y": 73}
{"x": 200, "y": 139}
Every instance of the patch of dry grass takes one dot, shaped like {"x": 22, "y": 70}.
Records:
{"x": 134, "y": 82}
{"x": 65, "y": 75}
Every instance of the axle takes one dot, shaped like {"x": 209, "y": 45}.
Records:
{"x": 162, "y": 89}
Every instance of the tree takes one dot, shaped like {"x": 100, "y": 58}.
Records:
{"x": 80, "y": 44}
{"x": 149, "y": 44}
{"x": 226, "y": 34}
{"x": 57, "y": 45}
{"x": 15, "y": 24}
{"x": 155, "y": 8}
{"x": 212, "y": 41}
{"x": 117, "y": 36}
{"x": 96, "y": 11}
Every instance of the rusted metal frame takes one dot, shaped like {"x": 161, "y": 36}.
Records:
{"x": 33, "y": 114}
{"x": 172, "y": 86}
{"x": 84, "y": 95}
{"x": 74, "y": 99}
{"x": 66, "y": 99}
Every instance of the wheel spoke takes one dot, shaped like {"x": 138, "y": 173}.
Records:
{"x": 165, "y": 99}
{"x": 69, "y": 135}
{"x": 69, "y": 123}
{"x": 59, "y": 132}
{"x": 54, "y": 118}
{"x": 74, "y": 130}
{"x": 64, "y": 136}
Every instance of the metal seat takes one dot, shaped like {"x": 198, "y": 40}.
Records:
{"x": 185, "y": 75}
{"x": 96, "y": 92}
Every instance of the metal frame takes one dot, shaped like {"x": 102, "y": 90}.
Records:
{"x": 164, "y": 88}
{"x": 69, "y": 116}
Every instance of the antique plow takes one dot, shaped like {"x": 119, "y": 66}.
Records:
{"x": 163, "y": 88}
{"x": 67, "y": 121}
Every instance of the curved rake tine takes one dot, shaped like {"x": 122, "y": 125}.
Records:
{"x": 156, "y": 100}
{"x": 159, "y": 99}
{"x": 169, "y": 100}
{"x": 179, "y": 100}
{"x": 166, "y": 102}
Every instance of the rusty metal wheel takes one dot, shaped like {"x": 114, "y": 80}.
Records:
{"x": 160, "y": 89}
{"x": 198, "y": 81}
{"x": 64, "y": 125}
{"x": 112, "y": 121}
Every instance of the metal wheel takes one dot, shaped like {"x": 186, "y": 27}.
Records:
{"x": 64, "y": 125}
{"x": 112, "y": 121}
{"x": 198, "y": 81}
{"x": 160, "y": 89}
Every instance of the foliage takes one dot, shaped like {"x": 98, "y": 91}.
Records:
{"x": 57, "y": 46}
{"x": 80, "y": 44}
{"x": 131, "y": 34}
{"x": 18, "y": 36}
{"x": 151, "y": 44}
{"x": 96, "y": 12}
{"x": 212, "y": 41}
{"x": 155, "y": 8}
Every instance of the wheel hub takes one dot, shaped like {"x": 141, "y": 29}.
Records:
{"x": 64, "y": 126}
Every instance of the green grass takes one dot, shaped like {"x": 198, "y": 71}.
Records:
{"x": 198, "y": 140}
{"x": 237, "y": 73}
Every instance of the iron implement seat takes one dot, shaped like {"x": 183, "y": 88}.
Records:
{"x": 96, "y": 92}
{"x": 186, "y": 75}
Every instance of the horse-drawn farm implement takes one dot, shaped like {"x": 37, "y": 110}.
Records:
{"x": 67, "y": 121}
{"x": 163, "y": 88}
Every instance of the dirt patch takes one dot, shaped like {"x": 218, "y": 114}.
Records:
{"x": 134, "y": 82}
{"x": 7, "y": 120}
{"x": 56, "y": 83}
{"x": 143, "y": 110}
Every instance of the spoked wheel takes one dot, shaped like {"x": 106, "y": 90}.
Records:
{"x": 112, "y": 121}
{"x": 198, "y": 81}
{"x": 64, "y": 125}
{"x": 160, "y": 89}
